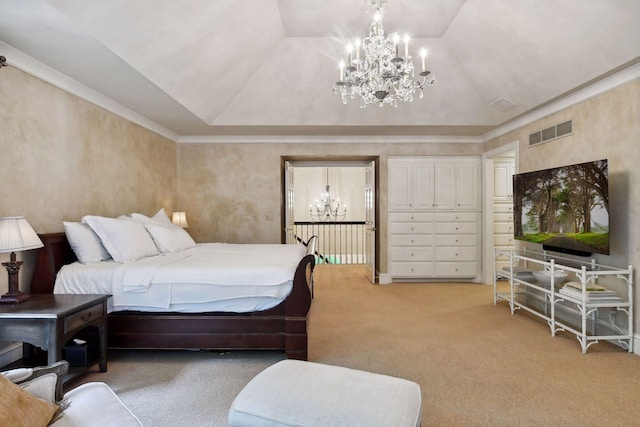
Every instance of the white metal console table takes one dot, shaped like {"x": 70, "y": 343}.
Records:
{"x": 574, "y": 305}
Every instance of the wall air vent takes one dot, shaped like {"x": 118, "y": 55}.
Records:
{"x": 549, "y": 134}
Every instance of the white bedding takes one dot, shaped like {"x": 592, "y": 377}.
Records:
{"x": 208, "y": 277}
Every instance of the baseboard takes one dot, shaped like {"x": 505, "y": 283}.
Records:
{"x": 384, "y": 279}
{"x": 10, "y": 353}
{"x": 636, "y": 344}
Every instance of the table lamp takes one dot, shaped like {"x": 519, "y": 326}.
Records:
{"x": 180, "y": 219}
{"x": 16, "y": 235}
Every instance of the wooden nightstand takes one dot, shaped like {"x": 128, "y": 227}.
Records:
{"x": 49, "y": 321}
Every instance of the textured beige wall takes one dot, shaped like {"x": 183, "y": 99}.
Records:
{"x": 62, "y": 157}
{"x": 606, "y": 126}
{"x": 232, "y": 192}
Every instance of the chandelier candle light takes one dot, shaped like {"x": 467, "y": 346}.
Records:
{"x": 377, "y": 72}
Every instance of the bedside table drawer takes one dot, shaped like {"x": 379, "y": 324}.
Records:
{"x": 81, "y": 318}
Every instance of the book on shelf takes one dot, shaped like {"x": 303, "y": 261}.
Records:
{"x": 593, "y": 293}
{"x": 589, "y": 288}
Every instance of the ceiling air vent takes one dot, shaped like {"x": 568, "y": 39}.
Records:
{"x": 551, "y": 133}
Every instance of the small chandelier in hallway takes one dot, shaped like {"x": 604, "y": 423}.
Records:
{"x": 377, "y": 71}
{"x": 327, "y": 208}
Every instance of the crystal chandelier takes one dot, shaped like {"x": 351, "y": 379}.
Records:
{"x": 327, "y": 208}
{"x": 376, "y": 72}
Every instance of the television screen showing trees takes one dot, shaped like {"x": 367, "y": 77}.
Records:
{"x": 564, "y": 208}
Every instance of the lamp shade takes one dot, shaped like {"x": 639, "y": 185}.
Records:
{"x": 17, "y": 235}
{"x": 180, "y": 218}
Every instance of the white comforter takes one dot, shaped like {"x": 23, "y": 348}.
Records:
{"x": 232, "y": 277}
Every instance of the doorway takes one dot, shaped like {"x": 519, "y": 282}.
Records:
{"x": 336, "y": 199}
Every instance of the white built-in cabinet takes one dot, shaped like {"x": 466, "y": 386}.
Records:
{"x": 503, "y": 240}
{"x": 430, "y": 184}
{"x": 434, "y": 217}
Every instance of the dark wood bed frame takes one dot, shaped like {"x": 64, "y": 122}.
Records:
{"x": 282, "y": 328}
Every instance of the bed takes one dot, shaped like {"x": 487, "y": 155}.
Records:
{"x": 280, "y": 323}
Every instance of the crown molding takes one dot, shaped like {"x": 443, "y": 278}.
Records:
{"x": 36, "y": 68}
{"x": 584, "y": 93}
{"x": 44, "y": 72}
{"x": 591, "y": 89}
{"x": 327, "y": 139}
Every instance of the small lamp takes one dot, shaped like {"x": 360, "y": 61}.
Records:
{"x": 16, "y": 235}
{"x": 180, "y": 218}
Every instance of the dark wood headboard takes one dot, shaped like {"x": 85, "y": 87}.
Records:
{"x": 49, "y": 260}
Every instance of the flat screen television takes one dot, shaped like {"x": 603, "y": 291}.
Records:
{"x": 566, "y": 209}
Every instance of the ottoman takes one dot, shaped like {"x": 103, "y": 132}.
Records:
{"x": 307, "y": 394}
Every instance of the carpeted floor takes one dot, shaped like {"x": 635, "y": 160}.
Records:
{"x": 477, "y": 365}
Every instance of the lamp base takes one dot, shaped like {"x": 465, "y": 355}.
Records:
{"x": 14, "y": 294}
{"x": 14, "y": 298}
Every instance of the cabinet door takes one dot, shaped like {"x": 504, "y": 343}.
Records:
{"x": 423, "y": 186}
{"x": 500, "y": 174}
{"x": 399, "y": 185}
{"x": 510, "y": 173}
{"x": 467, "y": 183}
{"x": 444, "y": 179}
{"x": 503, "y": 180}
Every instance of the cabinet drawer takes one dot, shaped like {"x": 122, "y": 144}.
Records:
{"x": 503, "y": 208}
{"x": 457, "y": 228}
{"x": 412, "y": 269}
{"x": 503, "y": 240}
{"x": 401, "y": 253}
{"x": 463, "y": 253}
{"x": 411, "y": 240}
{"x": 456, "y": 269}
{"x": 410, "y": 217}
{"x": 411, "y": 228}
{"x": 503, "y": 228}
{"x": 456, "y": 240}
{"x": 456, "y": 216}
{"x": 503, "y": 217}
{"x": 82, "y": 318}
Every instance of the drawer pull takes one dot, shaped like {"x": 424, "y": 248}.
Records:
{"x": 87, "y": 317}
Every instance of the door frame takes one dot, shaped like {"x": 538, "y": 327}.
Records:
{"x": 332, "y": 160}
{"x": 487, "y": 206}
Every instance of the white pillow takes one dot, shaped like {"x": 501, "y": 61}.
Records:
{"x": 125, "y": 240}
{"x": 85, "y": 243}
{"x": 170, "y": 238}
{"x": 160, "y": 218}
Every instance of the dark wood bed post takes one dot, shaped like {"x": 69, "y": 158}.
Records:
{"x": 297, "y": 307}
{"x": 283, "y": 327}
